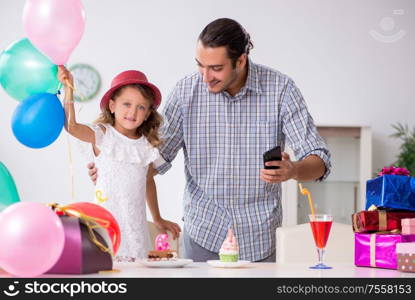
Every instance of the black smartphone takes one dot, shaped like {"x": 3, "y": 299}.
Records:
{"x": 272, "y": 155}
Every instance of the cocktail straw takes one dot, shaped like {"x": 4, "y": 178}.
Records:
{"x": 305, "y": 191}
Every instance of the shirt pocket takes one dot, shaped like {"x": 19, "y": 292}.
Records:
{"x": 247, "y": 143}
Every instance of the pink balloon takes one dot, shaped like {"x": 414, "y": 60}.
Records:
{"x": 32, "y": 239}
{"x": 55, "y": 27}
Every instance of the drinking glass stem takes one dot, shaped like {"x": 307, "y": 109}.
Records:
{"x": 320, "y": 252}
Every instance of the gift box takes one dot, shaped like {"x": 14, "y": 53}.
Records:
{"x": 84, "y": 249}
{"x": 379, "y": 220}
{"x": 378, "y": 250}
{"x": 408, "y": 226}
{"x": 406, "y": 256}
{"x": 391, "y": 191}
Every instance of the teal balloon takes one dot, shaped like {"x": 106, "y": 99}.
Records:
{"x": 8, "y": 190}
{"x": 25, "y": 71}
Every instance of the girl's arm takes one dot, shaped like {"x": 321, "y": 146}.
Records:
{"x": 152, "y": 203}
{"x": 80, "y": 131}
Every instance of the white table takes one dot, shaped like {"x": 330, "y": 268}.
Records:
{"x": 259, "y": 270}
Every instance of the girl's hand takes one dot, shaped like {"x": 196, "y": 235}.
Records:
{"x": 64, "y": 75}
{"x": 92, "y": 172}
{"x": 165, "y": 225}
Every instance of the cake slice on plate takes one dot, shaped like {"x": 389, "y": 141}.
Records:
{"x": 162, "y": 249}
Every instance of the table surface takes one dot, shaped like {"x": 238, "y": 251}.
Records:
{"x": 259, "y": 270}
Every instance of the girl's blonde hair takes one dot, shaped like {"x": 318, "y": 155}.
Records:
{"x": 150, "y": 127}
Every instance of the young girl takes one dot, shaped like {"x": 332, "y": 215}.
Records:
{"x": 124, "y": 141}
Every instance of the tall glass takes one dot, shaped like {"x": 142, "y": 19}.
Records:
{"x": 320, "y": 225}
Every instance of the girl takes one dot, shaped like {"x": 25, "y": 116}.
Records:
{"x": 124, "y": 141}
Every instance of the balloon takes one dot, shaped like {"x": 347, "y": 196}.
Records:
{"x": 25, "y": 71}
{"x": 8, "y": 191}
{"x": 32, "y": 238}
{"x": 38, "y": 120}
{"x": 55, "y": 27}
{"x": 96, "y": 211}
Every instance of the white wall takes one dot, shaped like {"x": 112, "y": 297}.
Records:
{"x": 346, "y": 76}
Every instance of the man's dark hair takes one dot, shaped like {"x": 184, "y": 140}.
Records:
{"x": 229, "y": 33}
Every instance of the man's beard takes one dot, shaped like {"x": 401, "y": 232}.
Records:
{"x": 230, "y": 82}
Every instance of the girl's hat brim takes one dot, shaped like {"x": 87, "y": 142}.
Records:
{"x": 126, "y": 78}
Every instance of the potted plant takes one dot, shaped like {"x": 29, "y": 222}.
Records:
{"x": 406, "y": 157}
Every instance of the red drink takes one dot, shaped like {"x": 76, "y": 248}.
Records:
{"x": 321, "y": 231}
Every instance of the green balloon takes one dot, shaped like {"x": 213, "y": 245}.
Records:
{"x": 8, "y": 191}
{"x": 25, "y": 71}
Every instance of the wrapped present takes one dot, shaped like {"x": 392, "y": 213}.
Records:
{"x": 408, "y": 226}
{"x": 378, "y": 250}
{"x": 85, "y": 250}
{"x": 379, "y": 220}
{"x": 406, "y": 256}
{"x": 98, "y": 217}
{"x": 391, "y": 191}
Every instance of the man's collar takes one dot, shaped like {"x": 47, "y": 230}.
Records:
{"x": 252, "y": 80}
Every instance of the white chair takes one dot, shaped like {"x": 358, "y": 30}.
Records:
{"x": 154, "y": 231}
{"x": 296, "y": 244}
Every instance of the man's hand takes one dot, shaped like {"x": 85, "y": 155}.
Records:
{"x": 92, "y": 172}
{"x": 287, "y": 170}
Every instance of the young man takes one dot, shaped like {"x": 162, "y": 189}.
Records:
{"x": 225, "y": 117}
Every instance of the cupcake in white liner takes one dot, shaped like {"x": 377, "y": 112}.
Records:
{"x": 229, "y": 252}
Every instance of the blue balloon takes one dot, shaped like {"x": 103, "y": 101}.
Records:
{"x": 38, "y": 120}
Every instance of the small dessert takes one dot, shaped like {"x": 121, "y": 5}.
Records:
{"x": 229, "y": 252}
{"x": 155, "y": 255}
{"x": 162, "y": 249}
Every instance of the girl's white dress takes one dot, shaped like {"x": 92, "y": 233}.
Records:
{"x": 122, "y": 174}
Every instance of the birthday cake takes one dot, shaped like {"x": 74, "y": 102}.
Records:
{"x": 229, "y": 252}
{"x": 162, "y": 249}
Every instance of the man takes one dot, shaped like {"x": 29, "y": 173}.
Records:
{"x": 225, "y": 117}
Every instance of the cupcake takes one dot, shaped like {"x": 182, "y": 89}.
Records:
{"x": 229, "y": 252}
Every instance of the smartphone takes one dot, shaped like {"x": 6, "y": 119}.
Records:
{"x": 272, "y": 155}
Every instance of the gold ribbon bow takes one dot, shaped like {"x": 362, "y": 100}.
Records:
{"x": 100, "y": 199}
{"x": 90, "y": 222}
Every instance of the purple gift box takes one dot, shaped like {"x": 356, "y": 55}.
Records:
{"x": 378, "y": 250}
{"x": 80, "y": 255}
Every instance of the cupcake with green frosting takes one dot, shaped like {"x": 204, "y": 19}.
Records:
{"x": 229, "y": 252}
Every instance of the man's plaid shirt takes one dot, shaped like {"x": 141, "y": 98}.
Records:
{"x": 223, "y": 139}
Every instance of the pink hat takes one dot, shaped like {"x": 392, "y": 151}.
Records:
{"x": 130, "y": 77}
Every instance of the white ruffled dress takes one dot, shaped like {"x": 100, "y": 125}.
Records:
{"x": 122, "y": 175}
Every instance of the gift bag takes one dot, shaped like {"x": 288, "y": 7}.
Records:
{"x": 86, "y": 250}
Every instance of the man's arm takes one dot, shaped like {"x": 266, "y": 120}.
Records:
{"x": 172, "y": 131}
{"x": 310, "y": 168}
{"x": 303, "y": 138}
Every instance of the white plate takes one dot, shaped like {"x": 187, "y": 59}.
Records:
{"x": 165, "y": 263}
{"x": 221, "y": 264}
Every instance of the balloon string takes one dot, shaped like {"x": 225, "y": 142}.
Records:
{"x": 71, "y": 172}
{"x": 71, "y": 168}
